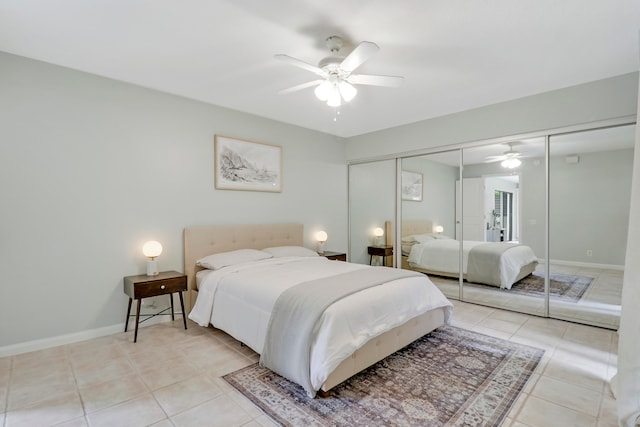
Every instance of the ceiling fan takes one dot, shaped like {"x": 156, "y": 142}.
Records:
{"x": 337, "y": 81}
{"x": 509, "y": 159}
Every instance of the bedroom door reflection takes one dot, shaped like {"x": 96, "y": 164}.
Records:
{"x": 590, "y": 177}
{"x": 503, "y": 233}
{"x": 429, "y": 223}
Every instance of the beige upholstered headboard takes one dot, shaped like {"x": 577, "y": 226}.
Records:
{"x": 206, "y": 240}
{"x": 416, "y": 226}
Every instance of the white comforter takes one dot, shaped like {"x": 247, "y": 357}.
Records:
{"x": 239, "y": 300}
{"x": 442, "y": 255}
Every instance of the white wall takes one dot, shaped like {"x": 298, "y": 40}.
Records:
{"x": 92, "y": 168}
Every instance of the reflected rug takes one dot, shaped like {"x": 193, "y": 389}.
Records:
{"x": 449, "y": 377}
{"x": 562, "y": 286}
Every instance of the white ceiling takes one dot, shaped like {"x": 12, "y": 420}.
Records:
{"x": 454, "y": 54}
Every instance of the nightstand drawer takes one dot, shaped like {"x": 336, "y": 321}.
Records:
{"x": 160, "y": 287}
{"x": 336, "y": 256}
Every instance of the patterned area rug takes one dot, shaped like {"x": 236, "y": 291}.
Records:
{"x": 562, "y": 286}
{"x": 450, "y": 377}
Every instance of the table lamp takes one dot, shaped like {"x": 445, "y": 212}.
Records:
{"x": 378, "y": 233}
{"x": 152, "y": 250}
{"x": 321, "y": 237}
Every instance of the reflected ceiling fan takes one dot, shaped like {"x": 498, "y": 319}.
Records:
{"x": 337, "y": 81}
{"x": 509, "y": 159}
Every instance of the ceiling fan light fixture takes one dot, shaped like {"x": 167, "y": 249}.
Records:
{"x": 323, "y": 90}
{"x": 347, "y": 90}
{"x": 334, "y": 97}
{"x": 511, "y": 163}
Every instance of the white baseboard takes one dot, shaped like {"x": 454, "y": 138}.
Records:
{"x": 41, "y": 344}
{"x": 586, "y": 264}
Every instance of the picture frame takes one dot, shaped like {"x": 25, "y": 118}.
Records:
{"x": 247, "y": 165}
{"x": 411, "y": 186}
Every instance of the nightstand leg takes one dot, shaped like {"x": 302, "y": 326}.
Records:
{"x": 171, "y": 298}
{"x": 135, "y": 335}
{"x": 184, "y": 315}
{"x": 370, "y": 259}
{"x": 126, "y": 321}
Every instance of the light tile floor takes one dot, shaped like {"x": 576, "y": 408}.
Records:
{"x": 172, "y": 377}
{"x": 599, "y": 306}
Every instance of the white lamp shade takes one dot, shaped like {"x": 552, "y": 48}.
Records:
{"x": 152, "y": 249}
{"x": 323, "y": 90}
{"x": 347, "y": 90}
{"x": 438, "y": 229}
{"x": 378, "y": 232}
{"x": 334, "y": 97}
{"x": 321, "y": 236}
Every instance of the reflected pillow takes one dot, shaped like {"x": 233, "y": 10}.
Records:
{"x": 421, "y": 238}
{"x": 282, "y": 251}
{"x": 226, "y": 259}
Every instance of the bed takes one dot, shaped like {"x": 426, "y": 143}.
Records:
{"x": 352, "y": 333}
{"x": 499, "y": 264}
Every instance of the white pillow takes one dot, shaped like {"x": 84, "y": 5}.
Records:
{"x": 442, "y": 237}
{"x": 225, "y": 259}
{"x": 281, "y": 251}
{"x": 420, "y": 238}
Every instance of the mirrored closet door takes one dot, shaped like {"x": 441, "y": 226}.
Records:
{"x": 554, "y": 206}
{"x": 503, "y": 224}
{"x": 428, "y": 226}
{"x": 590, "y": 176}
{"x": 372, "y": 201}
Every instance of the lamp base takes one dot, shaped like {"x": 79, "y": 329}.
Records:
{"x": 320, "y": 248}
{"x": 152, "y": 267}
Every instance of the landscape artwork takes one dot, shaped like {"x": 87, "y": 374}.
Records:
{"x": 412, "y": 186}
{"x": 247, "y": 165}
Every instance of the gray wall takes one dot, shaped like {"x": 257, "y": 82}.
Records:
{"x": 589, "y": 206}
{"x": 600, "y": 100}
{"x": 372, "y": 189}
{"x": 92, "y": 168}
{"x": 439, "y": 193}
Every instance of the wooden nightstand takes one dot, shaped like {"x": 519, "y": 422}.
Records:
{"x": 143, "y": 286}
{"x": 338, "y": 256}
{"x": 383, "y": 250}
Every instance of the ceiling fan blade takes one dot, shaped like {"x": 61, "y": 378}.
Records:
{"x": 368, "y": 79}
{"x": 361, "y": 53}
{"x": 298, "y": 63}
{"x": 300, "y": 87}
{"x": 492, "y": 159}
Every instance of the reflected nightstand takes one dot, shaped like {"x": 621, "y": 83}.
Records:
{"x": 382, "y": 250}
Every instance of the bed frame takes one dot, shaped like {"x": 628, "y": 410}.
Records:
{"x": 206, "y": 240}
{"x": 425, "y": 226}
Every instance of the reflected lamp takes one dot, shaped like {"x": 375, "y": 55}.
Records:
{"x": 378, "y": 233}
{"x": 321, "y": 237}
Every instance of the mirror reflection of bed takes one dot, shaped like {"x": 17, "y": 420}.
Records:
{"x": 438, "y": 256}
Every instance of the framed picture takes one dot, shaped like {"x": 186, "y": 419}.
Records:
{"x": 247, "y": 165}
{"x": 412, "y": 186}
